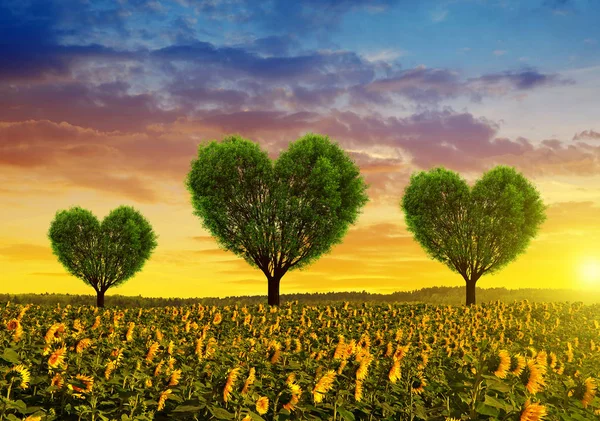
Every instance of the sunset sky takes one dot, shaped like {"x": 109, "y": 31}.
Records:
{"x": 103, "y": 103}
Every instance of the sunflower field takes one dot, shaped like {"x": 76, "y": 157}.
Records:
{"x": 521, "y": 361}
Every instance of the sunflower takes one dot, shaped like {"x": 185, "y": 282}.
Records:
{"x": 233, "y": 373}
{"x": 54, "y": 332}
{"x": 532, "y": 376}
{"x": 533, "y": 412}
{"x": 129, "y": 334}
{"x": 323, "y": 386}
{"x": 401, "y": 351}
{"x": 175, "y": 377}
{"x": 418, "y": 384}
{"x": 542, "y": 358}
{"x": 585, "y": 391}
{"x": 152, "y": 351}
{"x": 97, "y": 323}
{"x": 262, "y": 405}
{"x": 290, "y": 379}
{"x": 250, "y": 380}
{"x": 358, "y": 390}
{"x": 57, "y": 381}
{"x": 517, "y": 364}
{"x": 23, "y": 375}
{"x": 339, "y": 349}
{"x": 503, "y": 364}
{"x": 394, "y": 373}
{"x": 422, "y": 359}
{"x": 162, "y": 398}
{"x": 57, "y": 358}
{"x": 361, "y": 372}
{"x": 13, "y": 324}
{"x": 296, "y": 391}
{"x": 82, "y": 344}
{"x": 590, "y": 391}
{"x": 158, "y": 368}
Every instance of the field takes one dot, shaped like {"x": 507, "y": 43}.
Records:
{"x": 519, "y": 361}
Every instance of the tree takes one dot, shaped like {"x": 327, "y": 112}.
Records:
{"x": 104, "y": 254}
{"x": 280, "y": 216}
{"x": 473, "y": 231}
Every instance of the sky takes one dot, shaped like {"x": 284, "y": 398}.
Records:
{"x": 103, "y": 103}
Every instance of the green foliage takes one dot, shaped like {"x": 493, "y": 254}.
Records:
{"x": 473, "y": 231}
{"x": 433, "y": 295}
{"x": 102, "y": 254}
{"x": 448, "y": 362}
{"x": 279, "y": 216}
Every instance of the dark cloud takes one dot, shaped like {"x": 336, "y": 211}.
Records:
{"x": 433, "y": 85}
{"x": 346, "y": 67}
{"x": 518, "y": 80}
{"x": 105, "y": 107}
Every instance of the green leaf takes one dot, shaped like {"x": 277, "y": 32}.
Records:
{"x": 187, "y": 408}
{"x": 10, "y": 355}
{"x": 255, "y": 417}
{"x": 345, "y": 414}
{"x": 491, "y": 401}
{"x": 220, "y": 413}
{"x": 497, "y": 386}
{"x": 484, "y": 409}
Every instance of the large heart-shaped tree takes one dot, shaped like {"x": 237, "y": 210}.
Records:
{"x": 103, "y": 254}
{"x": 280, "y": 216}
{"x": 473, "y": 231}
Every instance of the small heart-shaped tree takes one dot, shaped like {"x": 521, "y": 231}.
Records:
{"x": 103, "y": 254}
{"x": 474, "y": 231}
{"x": 276, "y": 217}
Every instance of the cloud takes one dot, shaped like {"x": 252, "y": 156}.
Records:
{"x": 425, "y": 85}
{"x": 106, "y": 107}
{"x": 25, "y": 252}
{"x": 439, "y": 15}
{"x": 272, "y": 45}
{"x": 110, "y": 162}
{"x": 587, "y": 135}
{"x": 388, "y": 54}
{"x": 499, "y": 52}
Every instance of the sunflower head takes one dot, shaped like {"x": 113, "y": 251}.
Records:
{"x": 19, "y": 375}
{"x": 262, "y": 405}
{"x": 418, "y": 384}
{"x": 13, "y": 324}
{"x": 533, "y": 412}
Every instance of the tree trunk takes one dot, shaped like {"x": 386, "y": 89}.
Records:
{"x": 274, "y": 291}
{"x": 99, "y": 298}
{"x": 471, "y": 292}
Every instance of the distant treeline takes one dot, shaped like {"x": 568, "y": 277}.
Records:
{"x": 433, "y": 295}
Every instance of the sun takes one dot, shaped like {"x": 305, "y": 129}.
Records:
{"x": 590, "y": 272}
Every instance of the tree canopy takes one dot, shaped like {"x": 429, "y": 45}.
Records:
{"x": 473, "y": 231}
{"x": 104, "y": 254}
{"x": 276, "y": 216}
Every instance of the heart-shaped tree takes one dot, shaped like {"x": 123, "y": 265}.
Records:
{"x": 473, "y": 231}
{"x": 103, "y": 254}
{"x": 279, "y": 216}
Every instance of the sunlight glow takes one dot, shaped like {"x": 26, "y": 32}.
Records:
{"x": 590, "y": 272}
